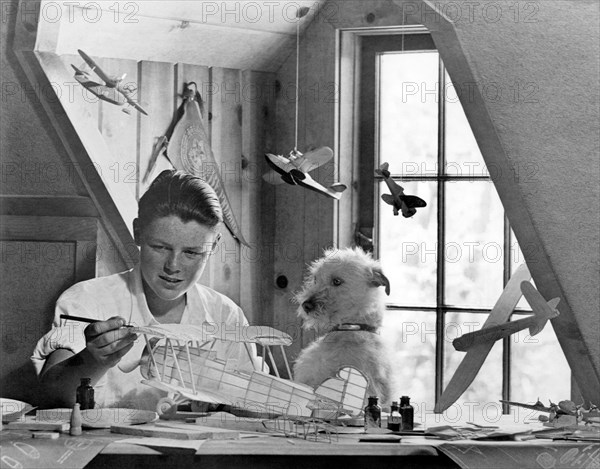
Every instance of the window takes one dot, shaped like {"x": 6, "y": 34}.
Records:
{"x": 447, "y": 264}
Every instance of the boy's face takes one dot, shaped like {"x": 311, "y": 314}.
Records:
{"x": 173, "y": 254}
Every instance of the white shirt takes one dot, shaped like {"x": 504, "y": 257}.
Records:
{"x": 123, "y": 295}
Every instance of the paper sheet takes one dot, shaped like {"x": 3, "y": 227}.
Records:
{"x": 20, "y": 450}
{"x": 159, "y": 443}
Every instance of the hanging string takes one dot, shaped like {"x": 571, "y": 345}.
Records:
{"x": 297, "y": 78}
{"x": 403, "y": 31}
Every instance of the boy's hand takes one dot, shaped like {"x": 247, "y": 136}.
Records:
{"x": 108, "y": 341}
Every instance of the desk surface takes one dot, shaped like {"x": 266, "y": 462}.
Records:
{"x": 346, "y": 452}
{"x": 271, "y": 452}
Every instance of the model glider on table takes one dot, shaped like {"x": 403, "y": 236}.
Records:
{"x": 295, "y": 168}
{"x": 112, "y": 91}
{"x": 407, "y": 204}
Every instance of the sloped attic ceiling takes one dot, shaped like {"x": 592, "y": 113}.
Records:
{"x": 257, "y": 35}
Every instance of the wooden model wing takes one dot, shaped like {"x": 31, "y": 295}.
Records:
{"x": 262, "y": 335}
{"x": 315, "y": 158}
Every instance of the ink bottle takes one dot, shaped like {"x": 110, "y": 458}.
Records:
{"x": 394, "y": 419}
{"x": 372, "y": 413}
{"x": 84, "y": 395}
{"x": 407, "y": 412}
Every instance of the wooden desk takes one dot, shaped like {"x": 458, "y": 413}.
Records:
{"x": 19, "y": 449}
{"x": 272, "y": 452}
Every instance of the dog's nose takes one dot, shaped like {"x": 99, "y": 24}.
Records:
{"x": 308, "y": 306}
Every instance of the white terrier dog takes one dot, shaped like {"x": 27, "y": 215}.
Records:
{"x": 341, "y": 298}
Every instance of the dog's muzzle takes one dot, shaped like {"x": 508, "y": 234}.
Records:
{"x": 308, "y": 306}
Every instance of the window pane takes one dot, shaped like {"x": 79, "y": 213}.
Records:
{"x": 408, "y": 113}
{"x": 407, "y": 247}
{"x": 539, "y": 367}
{"x": 410, "y": 335}
{"x": 481, "y": 399}
{"x": 463, "y": 157}
{"x": 474, "y": 248}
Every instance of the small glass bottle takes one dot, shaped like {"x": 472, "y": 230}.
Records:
{"x": 372, "y": 414}
{"x": 407, "y": 412}
{"x": 84, "y": 396}
{"x": 75, "y": 427}
{"x": 394, "y": 419}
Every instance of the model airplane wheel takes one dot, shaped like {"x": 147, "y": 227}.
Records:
{"x": 166, "y": 407}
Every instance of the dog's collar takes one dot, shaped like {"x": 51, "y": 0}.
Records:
{"x": 354, "y": 327}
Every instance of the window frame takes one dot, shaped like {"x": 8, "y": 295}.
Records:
{"x": 365, "y": 213}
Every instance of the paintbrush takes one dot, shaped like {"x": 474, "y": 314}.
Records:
{"x": 82, "y": 319}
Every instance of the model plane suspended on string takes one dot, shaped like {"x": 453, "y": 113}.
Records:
{"x": 294, "y": 170}
{"x": 112, "y": 91}
{"x": 407, "y": 204}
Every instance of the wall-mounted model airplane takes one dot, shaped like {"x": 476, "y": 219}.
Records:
{"x": 112, "y": 91}
{"x": 294, "y": 170}
{"x": 405, "y": 203}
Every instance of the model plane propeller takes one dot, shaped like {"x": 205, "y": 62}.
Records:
{"x": 407, "y": 204}
{"x": 294, "y": 170}
{"x": 112, "y": 91}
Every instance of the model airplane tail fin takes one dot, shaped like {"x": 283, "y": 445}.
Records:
{"x": 543, "y": 314}
{"x": 383, "y": 170}
{"x": 338, "y": 187}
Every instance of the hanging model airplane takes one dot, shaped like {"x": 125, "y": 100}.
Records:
{"x": 294, "y": 170}
{"x": 112, "y": 91}
{"x": 407, "y": 204}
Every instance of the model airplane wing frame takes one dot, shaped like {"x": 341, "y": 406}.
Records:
{"x": 182, "y": 361}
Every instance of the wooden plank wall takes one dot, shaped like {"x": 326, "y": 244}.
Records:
{"x": 236, "y": 125}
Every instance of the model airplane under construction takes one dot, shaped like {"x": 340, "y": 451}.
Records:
{"x": 407, "y": 204}
{"x": 112, "y": 91}
{"x": 295, "y": 168}
{"x": 184, "y": 363}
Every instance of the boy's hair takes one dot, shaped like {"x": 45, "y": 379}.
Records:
{"x": 181, "y": 194}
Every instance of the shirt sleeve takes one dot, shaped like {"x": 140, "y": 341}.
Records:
{"x": 64, "y": 334}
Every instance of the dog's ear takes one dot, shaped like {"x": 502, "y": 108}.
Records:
{"x": 380, "y": 280}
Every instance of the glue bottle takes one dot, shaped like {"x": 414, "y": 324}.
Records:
{"x": 84, "y": 395}
{"x": 372, "y": 414}
{"x": 394, "y": 419}
{"x": 407, "y": 412}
